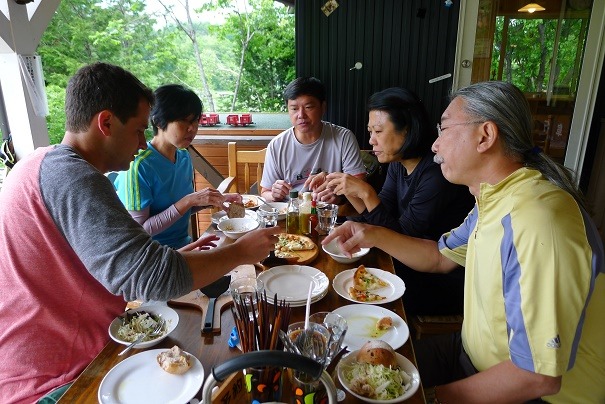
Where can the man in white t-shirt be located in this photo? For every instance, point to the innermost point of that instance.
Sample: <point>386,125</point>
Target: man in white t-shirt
<point>301,157</point>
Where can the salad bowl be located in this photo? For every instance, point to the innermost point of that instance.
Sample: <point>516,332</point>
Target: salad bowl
<point>122,328</point>
<point>344,373</point>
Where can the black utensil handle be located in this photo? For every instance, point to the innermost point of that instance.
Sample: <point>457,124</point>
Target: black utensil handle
<point>209,321</point>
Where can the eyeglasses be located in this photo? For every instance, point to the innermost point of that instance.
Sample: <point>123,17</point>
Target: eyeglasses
<point>440,129</point>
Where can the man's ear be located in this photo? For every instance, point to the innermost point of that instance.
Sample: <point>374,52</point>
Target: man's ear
<point>489,136</point>
<point>104,122</point>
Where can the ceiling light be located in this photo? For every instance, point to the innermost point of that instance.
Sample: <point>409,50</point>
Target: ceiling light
<point>531,7</point>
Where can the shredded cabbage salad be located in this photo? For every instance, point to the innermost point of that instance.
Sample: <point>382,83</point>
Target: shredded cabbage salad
<point>137,324</point>
<point>377,382</point>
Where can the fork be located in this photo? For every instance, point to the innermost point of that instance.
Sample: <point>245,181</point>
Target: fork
<point>157,331</point>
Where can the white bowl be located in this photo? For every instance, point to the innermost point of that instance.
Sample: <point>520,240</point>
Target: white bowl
<point>336,253</point>
<point>169,315</point>
<point>404,364</point>
<point>237,227</point>
<point>282,208</point>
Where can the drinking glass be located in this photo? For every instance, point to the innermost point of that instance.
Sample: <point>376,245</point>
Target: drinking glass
<point>245,292</point>
<point>315,346</point>
<point>267,216</point>
<point>305,390</point>
<point>326,215</point>
<point>336,325</point>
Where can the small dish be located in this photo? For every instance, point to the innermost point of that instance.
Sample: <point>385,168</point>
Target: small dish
<point>337,255</point>
<point>235,228</point>
<point>404,364</point>
<point>164,312</point>
<point>251,201</point>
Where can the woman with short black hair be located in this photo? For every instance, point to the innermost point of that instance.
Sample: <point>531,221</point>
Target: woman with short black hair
<point>158,189</point>
<point>415,199</point>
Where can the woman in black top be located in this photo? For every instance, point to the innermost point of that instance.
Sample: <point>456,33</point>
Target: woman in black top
<point>415,199</point>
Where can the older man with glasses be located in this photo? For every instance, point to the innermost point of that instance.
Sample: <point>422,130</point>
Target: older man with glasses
<point>534,284</point>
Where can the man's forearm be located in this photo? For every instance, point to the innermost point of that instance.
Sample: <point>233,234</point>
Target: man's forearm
<point>419,254</point>
<point>503,383</point>
<point>208,266</point>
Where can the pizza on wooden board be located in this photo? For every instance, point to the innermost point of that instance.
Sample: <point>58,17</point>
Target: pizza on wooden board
<point>287,244</point>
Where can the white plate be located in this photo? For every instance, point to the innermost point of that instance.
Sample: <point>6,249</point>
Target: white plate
<point>362,320</point>
<point>404,363</point>
<point>222,215</point>
<point>139,379</point>
<point>161,310</point>
<point>251,199</point>
<point>291,282</point>
<point>344,280</point>
<point>301,303</point>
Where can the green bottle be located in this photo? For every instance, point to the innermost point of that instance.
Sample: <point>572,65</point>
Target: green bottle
<point>292,214</point>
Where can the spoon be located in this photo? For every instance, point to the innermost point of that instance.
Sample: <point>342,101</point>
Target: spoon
<point>290,346</point>
<point>305,338</point>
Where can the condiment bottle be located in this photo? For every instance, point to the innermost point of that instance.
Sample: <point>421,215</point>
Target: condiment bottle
<point>292,226</point>
<point>305,211</point>
<point>313,221</point>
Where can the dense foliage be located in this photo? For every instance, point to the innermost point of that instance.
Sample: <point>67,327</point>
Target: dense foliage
<point>150,44</point>
<point>530,46</point>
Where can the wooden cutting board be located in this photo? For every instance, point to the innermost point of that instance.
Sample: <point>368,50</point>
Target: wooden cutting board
<point>198,300</point>
<point>305,256</point>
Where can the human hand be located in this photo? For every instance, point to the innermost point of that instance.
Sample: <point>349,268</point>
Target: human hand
<point>202,243</point>
<point>348,185</point>
<point>280,190</point>
<point>255,245</point>
<point>315,181</point>
<point>352,236</point>
<point>206,197</point>
<point>327,196</point>
<point>233,197</point>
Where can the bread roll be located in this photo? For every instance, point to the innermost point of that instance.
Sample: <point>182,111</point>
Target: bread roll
<point>174,361</point>
<point>236,210</point>
<point>378,352</point>
<point>384,323</point>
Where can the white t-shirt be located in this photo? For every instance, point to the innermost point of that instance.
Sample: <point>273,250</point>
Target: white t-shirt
<point>287,159</point>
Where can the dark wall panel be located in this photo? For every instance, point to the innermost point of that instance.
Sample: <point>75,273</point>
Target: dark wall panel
<point>397,43</point>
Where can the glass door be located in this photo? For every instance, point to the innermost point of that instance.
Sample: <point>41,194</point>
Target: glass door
<point>542,52</point>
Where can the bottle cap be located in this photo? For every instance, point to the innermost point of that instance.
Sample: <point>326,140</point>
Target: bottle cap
<point>293,194</point>
<point>307,196</point>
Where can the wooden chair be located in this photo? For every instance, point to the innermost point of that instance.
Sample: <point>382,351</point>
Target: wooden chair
<point>431,325</point>
<point>251,160</point>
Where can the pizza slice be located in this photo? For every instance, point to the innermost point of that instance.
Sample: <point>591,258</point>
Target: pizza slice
<point>293,242</point>
<point>284,254</point>
<point>364,295</point>
<point>364,280</point>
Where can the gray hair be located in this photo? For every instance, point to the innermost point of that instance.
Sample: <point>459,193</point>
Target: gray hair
<point>506,106</point>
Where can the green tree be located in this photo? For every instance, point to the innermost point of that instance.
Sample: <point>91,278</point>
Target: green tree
<point>113,31</point>
<point>531,45</point>
<point>267,55</point>
<point>125,33</point>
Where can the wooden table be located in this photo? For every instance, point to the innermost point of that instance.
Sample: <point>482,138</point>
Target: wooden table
<point>212,349</point>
